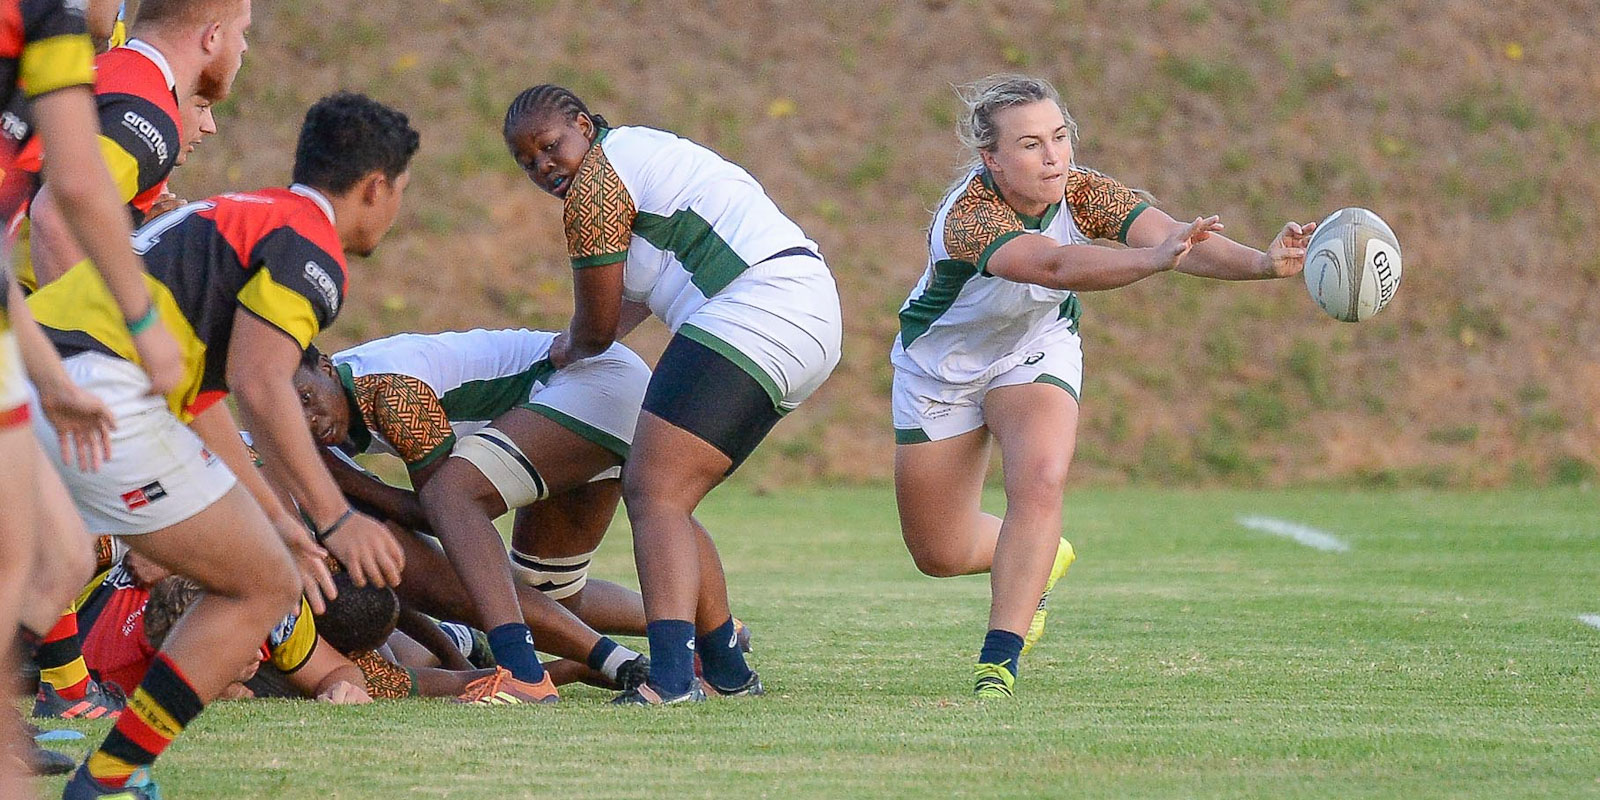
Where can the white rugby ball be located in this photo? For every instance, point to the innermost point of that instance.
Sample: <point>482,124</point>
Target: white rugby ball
<point>1352,264</point>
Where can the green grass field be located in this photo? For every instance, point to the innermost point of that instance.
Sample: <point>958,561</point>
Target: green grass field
<point>1187,657</point>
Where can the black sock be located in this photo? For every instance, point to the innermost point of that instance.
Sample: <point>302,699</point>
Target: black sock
<point>1001,647</point>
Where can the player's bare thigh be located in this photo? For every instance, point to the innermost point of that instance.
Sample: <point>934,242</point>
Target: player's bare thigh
<point>563,459</point>
<point>939,488</point>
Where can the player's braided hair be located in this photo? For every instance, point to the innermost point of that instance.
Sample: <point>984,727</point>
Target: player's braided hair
<point>347,136</point>
<point>543,99</point>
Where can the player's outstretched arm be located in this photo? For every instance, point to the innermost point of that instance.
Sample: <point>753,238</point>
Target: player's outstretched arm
<point>78,183</point>
<point>1224,259</point>
<point>1091,268</point>
<point>261,364</point>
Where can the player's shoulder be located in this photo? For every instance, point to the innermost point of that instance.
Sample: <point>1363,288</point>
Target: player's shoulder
<point>302,214</point>
<point>975,215</point>
<point>124,72</point>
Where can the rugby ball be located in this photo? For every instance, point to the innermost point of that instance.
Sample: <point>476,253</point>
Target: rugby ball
<point>1352,264</point>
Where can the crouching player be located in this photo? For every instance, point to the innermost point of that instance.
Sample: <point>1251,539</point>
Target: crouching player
<point>486,424</point>
<point>246,281</point>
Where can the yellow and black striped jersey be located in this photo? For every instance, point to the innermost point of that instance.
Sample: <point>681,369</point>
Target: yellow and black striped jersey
<point>273,253</point>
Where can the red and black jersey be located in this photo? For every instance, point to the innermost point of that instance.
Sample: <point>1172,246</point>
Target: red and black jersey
<point>44,46</point>
<point>111,624</point>
<point>274,253</point>
<point>140,137</point>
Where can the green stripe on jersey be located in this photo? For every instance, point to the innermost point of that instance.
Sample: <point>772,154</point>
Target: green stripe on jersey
<point>711,263</point>
<point>949,276</point>
<point>487,399</point>
<point>1071,310</point>
<point>1127,222</point>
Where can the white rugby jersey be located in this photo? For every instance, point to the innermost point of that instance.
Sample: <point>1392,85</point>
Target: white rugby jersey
<point>688,223</point>
<point>964,325</point>
<point>417,393</point>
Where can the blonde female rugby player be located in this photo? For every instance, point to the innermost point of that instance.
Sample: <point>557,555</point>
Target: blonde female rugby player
<point>988,346</point>
<point>660,224</point>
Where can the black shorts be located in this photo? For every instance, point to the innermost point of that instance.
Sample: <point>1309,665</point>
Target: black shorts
<point>701,391</point>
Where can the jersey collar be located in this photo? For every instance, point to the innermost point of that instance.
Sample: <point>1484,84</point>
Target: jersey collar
<point>149,51</point>
<point>360,435</point>
<point>316,197</point>
<point>1032,223</point>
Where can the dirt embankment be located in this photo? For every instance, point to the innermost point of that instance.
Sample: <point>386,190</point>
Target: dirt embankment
<point>1471,128</point>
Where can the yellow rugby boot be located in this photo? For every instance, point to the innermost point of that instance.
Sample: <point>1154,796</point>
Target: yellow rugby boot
<point>1064,558</point>
<point>992,680</point>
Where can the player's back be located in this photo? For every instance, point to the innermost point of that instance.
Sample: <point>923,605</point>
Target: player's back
<point>454,363</point>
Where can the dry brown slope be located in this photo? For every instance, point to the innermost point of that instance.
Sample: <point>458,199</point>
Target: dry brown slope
<point>1471,127</point>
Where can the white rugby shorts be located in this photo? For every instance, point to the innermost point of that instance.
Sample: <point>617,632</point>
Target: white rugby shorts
<point>597,398</point>
<point>13,383</point>
<point>159,474</point>
<point>778,323</point>
<point>927,409</point>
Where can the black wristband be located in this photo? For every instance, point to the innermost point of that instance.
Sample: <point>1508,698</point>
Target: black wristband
<point>322,536</point>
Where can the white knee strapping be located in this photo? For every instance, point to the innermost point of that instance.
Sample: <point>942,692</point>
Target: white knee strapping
<point>558,577</point>
<point>503,463</point>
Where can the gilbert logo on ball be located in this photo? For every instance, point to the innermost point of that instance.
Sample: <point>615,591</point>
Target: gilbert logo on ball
<point>1352,264</point>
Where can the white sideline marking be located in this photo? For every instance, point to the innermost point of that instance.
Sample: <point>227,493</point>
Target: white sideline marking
<point>1592,620</point>
<point>1304,534</point>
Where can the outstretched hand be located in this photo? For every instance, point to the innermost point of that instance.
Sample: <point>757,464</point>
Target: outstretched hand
<point>1286,256</point>
<point>1172,249</point>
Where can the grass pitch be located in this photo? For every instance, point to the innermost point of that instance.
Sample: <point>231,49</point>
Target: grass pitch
<point>1187,656</point>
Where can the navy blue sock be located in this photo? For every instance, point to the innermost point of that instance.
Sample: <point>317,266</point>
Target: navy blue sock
<point>671,655</point>
<point>720,657</point>
<point>1001,647</point>
<point>512,645</point>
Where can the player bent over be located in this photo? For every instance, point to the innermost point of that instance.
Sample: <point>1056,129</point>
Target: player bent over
<point>486,424</point>
<point>246,279</point>
<point>674,229</point>
<point>988,346</point>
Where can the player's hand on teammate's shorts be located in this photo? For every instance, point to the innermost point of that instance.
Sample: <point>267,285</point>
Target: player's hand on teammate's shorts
<point>310,561</point>
<point>83,424</point>
<point>368,551</point>
<point>344,693</point>
<point>1286,256</point>
<point>158,354</point>
<point>560,354</point>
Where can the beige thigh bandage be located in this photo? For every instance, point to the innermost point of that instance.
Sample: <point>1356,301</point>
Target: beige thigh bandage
<point>503,463</point>
<point>558,577</point>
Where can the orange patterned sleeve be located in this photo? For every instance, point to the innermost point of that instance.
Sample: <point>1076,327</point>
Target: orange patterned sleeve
<point>978,224</point>
<point>385,680</point>
<point>598,213</point>
<point>1102,207</point>
<point>406,412</point>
